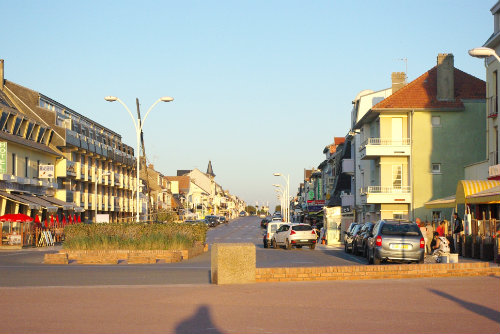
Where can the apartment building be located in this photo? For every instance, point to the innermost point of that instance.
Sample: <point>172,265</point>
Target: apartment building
<point>417,141</point>
<point>95,171</point>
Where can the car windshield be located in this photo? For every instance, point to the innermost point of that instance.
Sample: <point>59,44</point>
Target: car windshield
<point>302,228</point>
<point>400,229</point>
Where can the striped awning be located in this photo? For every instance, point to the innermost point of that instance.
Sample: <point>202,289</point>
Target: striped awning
<point>446,202</point>
<point>467,188</point>
<point>488,196</point>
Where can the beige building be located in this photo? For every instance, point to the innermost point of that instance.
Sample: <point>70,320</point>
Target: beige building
<point>95,171</point>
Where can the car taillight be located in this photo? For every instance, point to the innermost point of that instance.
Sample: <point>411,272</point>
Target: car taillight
<point>292,232</point>
<point>378,241</point>
<point>268,236</point>
<point>422,243</point>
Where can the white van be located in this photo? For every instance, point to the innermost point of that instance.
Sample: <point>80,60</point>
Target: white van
<point>272,226</point>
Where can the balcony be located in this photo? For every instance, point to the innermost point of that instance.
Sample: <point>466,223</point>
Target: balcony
<point>116,179</point>
<point>492,105</point>
<point>379,194</point>
<point>373,148</point>
<point>348,166</point>
<point>347,200</point>
<point>65,168</point>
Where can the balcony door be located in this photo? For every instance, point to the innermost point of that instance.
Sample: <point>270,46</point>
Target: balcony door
<point>397,178</point>
<point>397,130</point>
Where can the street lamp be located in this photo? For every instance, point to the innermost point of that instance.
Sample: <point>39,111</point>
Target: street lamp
<point>138,128</point>
<point>281,192</point>
<point>96,181</point>
<point>287,194</point>
<point>483,52</point>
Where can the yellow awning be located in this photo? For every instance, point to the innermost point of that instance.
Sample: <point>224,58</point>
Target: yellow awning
<point>488,196</point>
<point>467,188</point>
<point>446,202</point>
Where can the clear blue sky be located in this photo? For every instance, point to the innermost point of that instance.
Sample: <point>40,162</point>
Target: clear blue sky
<point>259,86</point>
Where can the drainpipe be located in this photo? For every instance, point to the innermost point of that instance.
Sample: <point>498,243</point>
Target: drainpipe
<point>411,165</point>
<point>1,74</point>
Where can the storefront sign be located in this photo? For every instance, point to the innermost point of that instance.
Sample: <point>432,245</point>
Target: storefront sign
<point>46,171</point>
<point>14,239</point>
<point>3,157</point>
<point>316,202</point>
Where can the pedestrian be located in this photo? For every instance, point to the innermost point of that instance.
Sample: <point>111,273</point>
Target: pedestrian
<point>418,222</point>
<point>440,229</point>
<point>423,229</point>
<point>429,235</point>
<point>458,228</point>
<point>435,243</point>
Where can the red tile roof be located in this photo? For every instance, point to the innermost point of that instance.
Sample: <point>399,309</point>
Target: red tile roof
<point>339,140</point>
<point>421,93</point>
<point>183,182</point>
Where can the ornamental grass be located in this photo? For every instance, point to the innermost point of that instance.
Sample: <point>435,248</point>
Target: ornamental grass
<point>134,236</point>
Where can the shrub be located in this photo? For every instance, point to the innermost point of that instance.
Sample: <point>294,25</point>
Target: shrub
<point>135,236</point>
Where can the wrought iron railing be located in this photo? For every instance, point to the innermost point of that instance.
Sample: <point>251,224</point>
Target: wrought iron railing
<point>385,142</point>
<point>385,190</point>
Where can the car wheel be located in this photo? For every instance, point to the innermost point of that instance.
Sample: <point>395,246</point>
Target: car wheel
<point>354,249</point>
<point>370,260</point>
<point>299,246</point>
<point>265,244</point>
<point>274,244</point>
<point>376,260</point>
<point>312,246</point>
<point>345,247</point>
<point>365,253</point>
<point>288,245</point>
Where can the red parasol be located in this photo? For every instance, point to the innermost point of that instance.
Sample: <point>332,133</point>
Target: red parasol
<point>79,219</point>
<point>74,219</point>
<point>70,220</point>
<point>37,222</point>
<point>64,220</point>
<point>51,220</point>
<point>16,217</point>
<point>46,223</point>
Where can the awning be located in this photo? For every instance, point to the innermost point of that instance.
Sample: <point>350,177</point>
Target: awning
<point>466,188</point>
<point>18,199</point>
<point>64,205</point>
<point>42,203</point>
<point>488,196</point>
<point>446,202</point>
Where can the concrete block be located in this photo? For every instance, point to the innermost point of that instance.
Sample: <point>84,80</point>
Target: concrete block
<point>233,263</point>
<point>57,258</point>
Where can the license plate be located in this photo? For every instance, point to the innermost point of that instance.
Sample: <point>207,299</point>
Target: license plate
<point>399,246</point>
<point>304,240</point>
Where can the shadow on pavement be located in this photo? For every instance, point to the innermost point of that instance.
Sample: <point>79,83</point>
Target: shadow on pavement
<point>200,322</point>
<point>476,308</point>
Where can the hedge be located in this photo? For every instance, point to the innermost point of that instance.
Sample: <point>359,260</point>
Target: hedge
<point>133,236</point>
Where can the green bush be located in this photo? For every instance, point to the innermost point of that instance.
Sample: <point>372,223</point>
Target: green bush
<point>135,236</point>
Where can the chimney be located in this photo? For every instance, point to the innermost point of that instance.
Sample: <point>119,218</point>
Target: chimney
<point>1,74</point>
<point>445,77</point>
<point>398,81</point>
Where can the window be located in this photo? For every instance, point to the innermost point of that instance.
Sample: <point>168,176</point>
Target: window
<point>397,176</point>
<point>397,215</point>
<point>436,169</point>
<point>26,167</point>
<point>436,121</point>
<point>436,216</point>
<point>14,164</point>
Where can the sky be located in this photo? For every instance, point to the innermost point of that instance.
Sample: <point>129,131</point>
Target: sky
<point>259,86</point>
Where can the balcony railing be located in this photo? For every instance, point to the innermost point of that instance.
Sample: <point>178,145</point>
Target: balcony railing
<point>493,158</point>
<point>492,103</point>
<point>385,190</point>
<point>385,142</point>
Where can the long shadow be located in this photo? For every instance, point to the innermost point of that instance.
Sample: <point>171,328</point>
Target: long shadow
<point>476,308</point>
<point>200,322</point>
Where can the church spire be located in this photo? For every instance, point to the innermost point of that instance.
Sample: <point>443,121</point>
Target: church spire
<point>210,171</point>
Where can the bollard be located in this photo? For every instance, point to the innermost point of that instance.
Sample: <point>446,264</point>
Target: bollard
<point>233,263</point>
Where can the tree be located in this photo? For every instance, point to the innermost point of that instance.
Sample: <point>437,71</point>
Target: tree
<point>250,209</point>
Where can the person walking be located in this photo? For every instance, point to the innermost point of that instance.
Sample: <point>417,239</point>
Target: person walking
<point>458,227</point>
<point>429,235</point>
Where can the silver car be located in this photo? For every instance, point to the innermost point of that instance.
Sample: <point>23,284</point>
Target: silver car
<point>395,240</point>
<point>298,235</point>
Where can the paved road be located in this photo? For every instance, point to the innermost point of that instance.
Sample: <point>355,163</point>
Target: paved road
<point>25,268</point>
<point>446,305</point>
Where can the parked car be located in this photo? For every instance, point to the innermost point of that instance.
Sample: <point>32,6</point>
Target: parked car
<point>350,237</point>
<point>348,233</point>
<point>396,240</point>
<point>298,235</point>
<point>222,219</point>
<point>271,228</point>
<point>264,222</point>
<point>212,221</point>
<point>243,214</point>
<point>359,241</point>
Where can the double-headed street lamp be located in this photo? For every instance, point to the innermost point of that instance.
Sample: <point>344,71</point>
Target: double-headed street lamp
<point>138,124</point>
<point>287,194</point>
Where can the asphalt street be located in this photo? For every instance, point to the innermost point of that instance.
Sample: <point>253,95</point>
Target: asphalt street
<point>26,268</point>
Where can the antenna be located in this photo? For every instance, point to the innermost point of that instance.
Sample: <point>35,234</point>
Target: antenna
<point>406,66</point>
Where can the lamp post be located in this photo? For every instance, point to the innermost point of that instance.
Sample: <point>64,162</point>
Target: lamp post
<point>281,194</point>
<point>483,52</point>
<point>138,128</point>
<point>96,182</point>
<point>287,194</point>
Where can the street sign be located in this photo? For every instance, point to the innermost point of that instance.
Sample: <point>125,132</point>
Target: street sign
<point>3,157</point>
<point>46,171</point>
